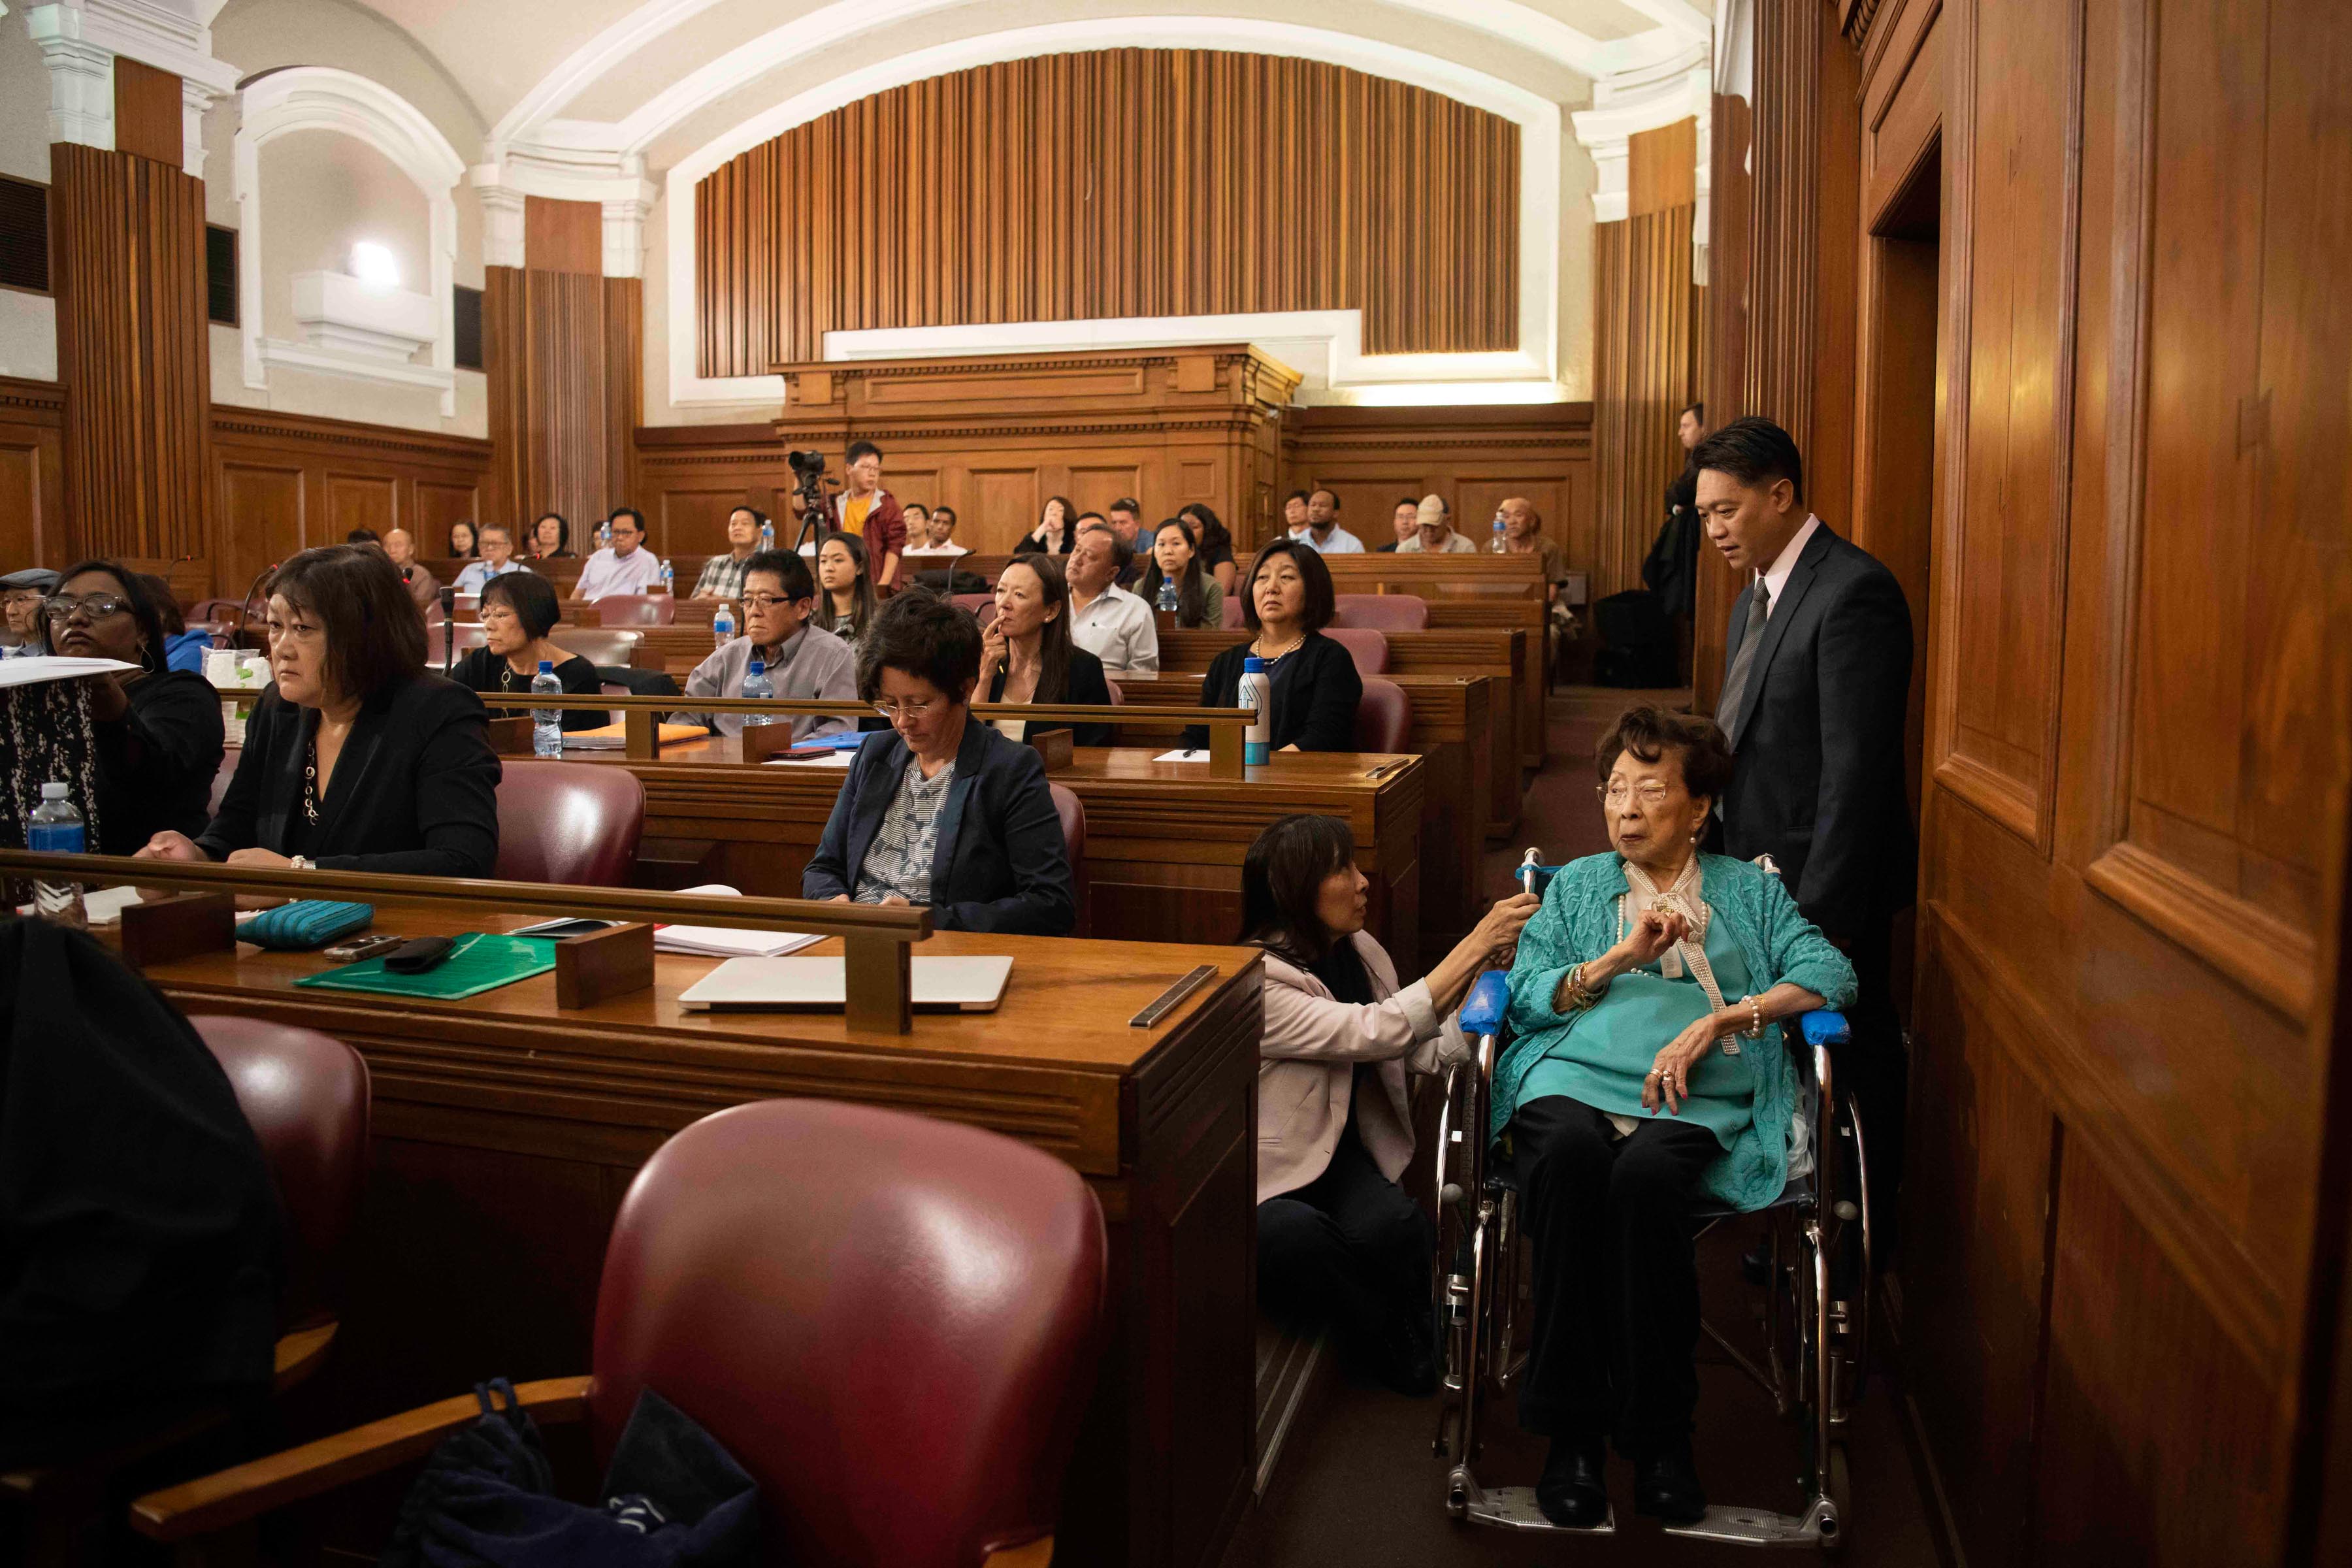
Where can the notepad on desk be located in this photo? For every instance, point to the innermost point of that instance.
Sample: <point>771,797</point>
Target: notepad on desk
<point>959,985</point>
<point>727,942</point>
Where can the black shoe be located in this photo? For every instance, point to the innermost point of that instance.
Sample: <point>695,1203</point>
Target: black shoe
<point>1573,1491</point>
<point>1665,1487</point>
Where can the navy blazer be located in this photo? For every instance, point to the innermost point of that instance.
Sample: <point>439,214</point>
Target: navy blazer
<point>1818,780</point>
<point>1001,864</point>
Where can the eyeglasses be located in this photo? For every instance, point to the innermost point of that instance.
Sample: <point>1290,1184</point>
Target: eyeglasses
<point>1650,794</point>
<point>913,711</point>
<point>93,607</point>
<point>767,601</point>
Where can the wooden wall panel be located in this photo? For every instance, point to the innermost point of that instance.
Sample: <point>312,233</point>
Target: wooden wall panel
<point>564,355</point>
<point>1116,182</point>
<point>32,473</point>
<point>147,119</point>
<point>1662,169</point>
<point>1644,373</point>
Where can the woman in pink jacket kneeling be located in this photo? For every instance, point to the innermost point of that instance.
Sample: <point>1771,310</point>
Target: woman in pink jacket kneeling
<point>1338,1242</point>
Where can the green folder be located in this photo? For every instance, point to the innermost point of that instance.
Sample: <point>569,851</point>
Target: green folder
<point>481,962</point>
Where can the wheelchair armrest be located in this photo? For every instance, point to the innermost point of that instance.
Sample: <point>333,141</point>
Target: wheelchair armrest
<point>1489,999</point>
<point>1823,1027</point>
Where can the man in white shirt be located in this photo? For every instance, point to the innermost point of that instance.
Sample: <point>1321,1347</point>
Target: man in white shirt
<point>1107,620</point>
<point>497,545</point>
<point>938,535</point>
<point>1434,532</point>
<point>622,568</point>
<point>1323,534</point>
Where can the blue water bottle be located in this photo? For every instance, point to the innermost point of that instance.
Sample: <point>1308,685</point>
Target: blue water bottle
<point>1256,693</point>
<point>668,580</point>
<point>722,624</point>
<point>1167,593</point>
<point>767,533</point>
<point>758,688</point>
<point>546,723</point>
<point>1502,545</point>
<point>56,828</point>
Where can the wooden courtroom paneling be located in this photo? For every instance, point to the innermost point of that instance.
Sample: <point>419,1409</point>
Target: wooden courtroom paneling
<point>147,116</point>
<point>1111,183</point>
<point>1644,373</point>
<point>32,474</point>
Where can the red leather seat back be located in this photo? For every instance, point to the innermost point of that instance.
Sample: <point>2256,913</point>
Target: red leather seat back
<point>1073,812</point>
<point>1368,649</point>
<point>1382,611</point>
<point>891,1322</point>
<point>1230,617</point>
<point>637,610</point>
<point>1383,717</point>
<point>982,605</point>
<point>572,823</point>
<point>227,770</point>
<point>306,1097</point>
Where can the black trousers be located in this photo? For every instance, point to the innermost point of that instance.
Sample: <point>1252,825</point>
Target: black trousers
<point>1348,1252</point>
<point>1616,1275</point>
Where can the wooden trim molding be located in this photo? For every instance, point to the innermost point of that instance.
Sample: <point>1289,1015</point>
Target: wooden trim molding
<point>37,397</point>
<point>2271,958</point>
<point>268,425</point>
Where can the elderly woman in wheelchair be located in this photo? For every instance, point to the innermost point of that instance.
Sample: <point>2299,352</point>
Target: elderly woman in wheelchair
<point>1646,1075</point>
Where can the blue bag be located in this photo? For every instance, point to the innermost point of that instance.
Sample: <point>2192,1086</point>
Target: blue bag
<point>305,923</point>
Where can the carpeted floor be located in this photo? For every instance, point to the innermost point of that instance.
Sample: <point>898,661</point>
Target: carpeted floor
<point>1358,1484</point>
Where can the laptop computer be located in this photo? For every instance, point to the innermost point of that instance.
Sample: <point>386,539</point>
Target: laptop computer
<point>963,984</point>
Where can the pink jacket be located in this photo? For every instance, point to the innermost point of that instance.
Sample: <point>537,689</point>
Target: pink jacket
<point>1307,1068</point>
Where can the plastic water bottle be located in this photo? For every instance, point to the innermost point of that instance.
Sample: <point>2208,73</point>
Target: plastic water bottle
<point>758,688</point>
<point>767,533</point>
<point>668,580</point>
<point>1256,693</point>
<point>605,534</point>
<point>56,828</point>
<point>1502,545</point>
<point>546,723</point>
<point>722,624</point>
<point>1167,593</point>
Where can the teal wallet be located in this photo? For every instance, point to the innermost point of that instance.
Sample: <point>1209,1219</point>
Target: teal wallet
<point>305,923</point>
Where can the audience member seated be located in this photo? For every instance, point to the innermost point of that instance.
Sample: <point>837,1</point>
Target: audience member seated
<point>845,608</point>
<point>1523,535</point>
<point>722,575</point>
<point>356,760</point>
<point>1107,620</point>
<point>158,730</point>
<point>1026,655</point>
<point>1652,980</point>
<point>805,663</point>
<point>463,543</point>
<point>623,567</point>
<point>937,535</point>
<point>1293,513</point>
<point>21,594</point>
<point>936,809</point>
<point>1057,530</point>
<point>423,586</point>
<point>1217,544</point>
<point>550,537</point>
<point>1176,554</point>
<point>1406,519</point>
<point>1125,516</point>
<point>362,536</point>
<point>1315,686</point>
<point>518,612</point>
<point>183,650</point>
<point>1434,532</point>
<point>497,559</point>
<point>1339,1243</point>
<point>1323,531</point>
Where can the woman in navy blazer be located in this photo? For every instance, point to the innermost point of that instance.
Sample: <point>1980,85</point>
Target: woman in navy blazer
<point>939,809</point>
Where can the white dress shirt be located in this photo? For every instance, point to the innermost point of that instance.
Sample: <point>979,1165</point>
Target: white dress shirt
<point>1341,542</point>
<point>606,573</point>
<point>1776,576</point>
<point>1117,629</point>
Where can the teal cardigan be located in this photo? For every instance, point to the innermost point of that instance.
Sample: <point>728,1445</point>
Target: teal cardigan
<point>1579,921</point>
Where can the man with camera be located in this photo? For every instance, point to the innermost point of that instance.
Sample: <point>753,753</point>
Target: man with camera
<point>863,508</point>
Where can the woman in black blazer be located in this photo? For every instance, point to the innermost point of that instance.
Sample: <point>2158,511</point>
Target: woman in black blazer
<point>1026,654</point>
<point>938,809</point>
<point>356,760</point>
<point>1316,688</point>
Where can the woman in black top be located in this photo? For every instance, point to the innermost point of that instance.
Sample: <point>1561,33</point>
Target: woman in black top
<point>1057,530</point>
<point>159,730</point>
<point>462,545</point>
<point>1315,684</point>
<point>518,612</point>
<point>1026,654</point>
<point>1216,545</point>
<point>357,760</point>
<point>550,537</point>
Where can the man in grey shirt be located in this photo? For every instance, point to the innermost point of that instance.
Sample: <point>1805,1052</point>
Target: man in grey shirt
<point>778,593</point>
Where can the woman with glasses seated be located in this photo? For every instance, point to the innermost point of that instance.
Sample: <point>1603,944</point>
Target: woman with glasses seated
<point>158,730</point>
<point>1647,1070</point>
<point>357,759</point>
<point>518,612</point>
<point>939,809</point>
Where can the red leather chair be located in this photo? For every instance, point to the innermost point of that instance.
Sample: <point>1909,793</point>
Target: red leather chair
<point>1073,812</point>
<point>637,610</point>
<point>1383,717</point>
<point>1231,614</point>
<point>891,1322</point>
<point>1382,611</point>
<point>570,823</point>
<point>1368,649</point>
<point>982,605</point>
<point>226,771</point>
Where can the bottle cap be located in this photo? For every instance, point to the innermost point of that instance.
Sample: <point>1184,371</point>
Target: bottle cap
<point>52,790</point>
<point>1253,664</point>
<point>547,667</point>
<point>758,667</point>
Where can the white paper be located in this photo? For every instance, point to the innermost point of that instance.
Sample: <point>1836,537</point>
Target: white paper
<point>102,905</point>
<point>727,942</point>
<point>830,760</point>
<point>1181,756</point>
<point>34,668</point>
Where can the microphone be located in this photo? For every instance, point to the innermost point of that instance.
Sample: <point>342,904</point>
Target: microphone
<point>245,610</point>
<point>448,628</point>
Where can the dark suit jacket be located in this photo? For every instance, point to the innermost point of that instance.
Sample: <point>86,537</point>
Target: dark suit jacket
<point>157,762</point>
<point>415,792</point>
<point>1087,685</point>
<point>1818,780</point>
<point>1001,864</point>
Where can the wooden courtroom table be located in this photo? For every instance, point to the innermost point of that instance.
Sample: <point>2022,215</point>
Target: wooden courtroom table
<point>1164,841</point>
<point>506,1131</point>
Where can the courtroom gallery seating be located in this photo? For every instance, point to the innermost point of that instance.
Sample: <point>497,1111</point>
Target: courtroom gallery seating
<point>637,610</point>
<point>1383,717</point>
<point>1073,812</point>
<point>1368,649</point>
<point>1381,612</point>
<point>570,823</point>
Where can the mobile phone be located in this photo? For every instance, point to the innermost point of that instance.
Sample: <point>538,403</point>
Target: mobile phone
<point>364,947</point>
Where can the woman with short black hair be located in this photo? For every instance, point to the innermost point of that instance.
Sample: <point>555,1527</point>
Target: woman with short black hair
<point>1316,688</point>
<point>1027,654</point>
<point>550,543</point>
<point>939,810</point>
<point>465,542</point>
<point>518,612</point>
<point>357,759</point>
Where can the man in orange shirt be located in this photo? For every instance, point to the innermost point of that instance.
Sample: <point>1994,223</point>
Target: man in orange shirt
<point>867,509</point>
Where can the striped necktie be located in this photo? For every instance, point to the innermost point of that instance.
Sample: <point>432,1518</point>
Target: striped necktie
<point>1735,684</point>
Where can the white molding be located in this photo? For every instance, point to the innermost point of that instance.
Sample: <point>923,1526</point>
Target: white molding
<point>616,183</point>
<point>318,98</point>
<point>1538,119</point>
<point>437,378</point>
<point>80,41</point>
<point>1678,87</point>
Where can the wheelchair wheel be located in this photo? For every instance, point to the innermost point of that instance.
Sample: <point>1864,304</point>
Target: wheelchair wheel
<point>1838,1487</point>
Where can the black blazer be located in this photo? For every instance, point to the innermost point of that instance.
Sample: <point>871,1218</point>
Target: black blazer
<point>1818,742</point>
<point>1087,685</point>
<point>1316,693</point>
<point>415,792</point>
<point>1002,863</point>
<point>156,764</point>
<point>484,671</point>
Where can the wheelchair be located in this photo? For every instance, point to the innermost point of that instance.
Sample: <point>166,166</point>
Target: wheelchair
<point>1813,1357</point>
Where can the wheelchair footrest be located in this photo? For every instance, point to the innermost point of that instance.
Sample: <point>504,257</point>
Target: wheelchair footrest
<point>1762,1526</point>
<point>1513,1507</point>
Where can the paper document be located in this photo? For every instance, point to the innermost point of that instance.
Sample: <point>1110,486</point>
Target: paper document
<point>727,942</point>
<point>822,760</point>
<point>967,985</point>
<point>1182,756</point>
<point>33,669</point>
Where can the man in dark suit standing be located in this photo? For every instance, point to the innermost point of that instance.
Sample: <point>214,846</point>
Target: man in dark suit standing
<point>1817,679</point>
